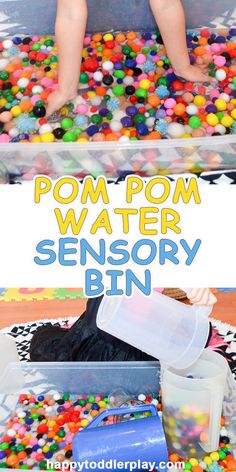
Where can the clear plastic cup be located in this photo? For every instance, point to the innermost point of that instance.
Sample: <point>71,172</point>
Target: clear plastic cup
<point>134,441</point>
<point>168,330</point>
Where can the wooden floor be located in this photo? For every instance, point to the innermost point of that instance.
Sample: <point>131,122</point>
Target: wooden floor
<point>21,312</point>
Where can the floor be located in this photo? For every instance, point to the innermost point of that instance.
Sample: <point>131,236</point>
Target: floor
<point>24,311</point>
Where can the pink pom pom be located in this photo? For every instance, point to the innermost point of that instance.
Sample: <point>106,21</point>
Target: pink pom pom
<point>4,138</point>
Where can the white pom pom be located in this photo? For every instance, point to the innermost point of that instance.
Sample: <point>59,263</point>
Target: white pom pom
<point>108,66</point>
<point>7,43</point>
<point>176,130</point>
<point>221,74</point>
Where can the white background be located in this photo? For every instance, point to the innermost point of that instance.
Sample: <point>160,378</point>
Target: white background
<point>24,224</point>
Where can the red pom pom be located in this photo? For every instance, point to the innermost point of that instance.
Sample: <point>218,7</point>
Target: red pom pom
<point>90,64</point>
<point>177,85</point>
<point>42,429</point>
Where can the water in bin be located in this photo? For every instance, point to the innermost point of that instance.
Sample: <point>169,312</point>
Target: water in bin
<point>168,330</point>
<point>128,441</point>
<point>192,401</point>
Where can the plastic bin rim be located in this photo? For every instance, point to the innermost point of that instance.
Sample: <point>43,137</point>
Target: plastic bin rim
<point>47,366</point>
<point>117,145</point>
<point>84,365</point>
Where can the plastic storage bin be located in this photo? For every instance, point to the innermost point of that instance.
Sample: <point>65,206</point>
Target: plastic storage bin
<point>146,158</point>
<point>82,378</point>
<point>192,404</point>
<point>162,327</point>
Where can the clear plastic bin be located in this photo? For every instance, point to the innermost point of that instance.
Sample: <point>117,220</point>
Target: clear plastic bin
<point>75,377</point>
<point>82,378</point>
<point>146,158</point>
<point>113,160</point>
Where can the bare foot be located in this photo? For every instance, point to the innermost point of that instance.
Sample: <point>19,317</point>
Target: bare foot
<point>194,74</point>
<point>57,100</point>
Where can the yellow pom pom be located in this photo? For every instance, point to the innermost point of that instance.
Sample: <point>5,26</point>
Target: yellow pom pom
<point>50,74</point>
<point>3,102</point>
<point>51,423</point>
<point>15,89</point>
<point>193,461</point>
<point>207,460</point>
<point>145,84</point>
<point>108,37</point>
<point>220,104</point>
<point>212,119</point>
<point>45,449</point>
<point>16,111</point>
<point>35,139</point>
<point>85,53</point>
<point>233,114</point>
<point>47,138</point>
<point>91,94</point>
<point>227,121</point>
<point>84,423</point>
<point>82,140</point>
<point>215,456</point>
<point>102,404</point>
<point>199,100</point>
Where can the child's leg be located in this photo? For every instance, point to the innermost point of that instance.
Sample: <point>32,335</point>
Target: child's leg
<point>169,15</point>
<point>70,30</point>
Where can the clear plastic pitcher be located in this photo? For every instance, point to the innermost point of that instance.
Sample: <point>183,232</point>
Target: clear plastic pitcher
<point>193,404</point>
<point>8,352</point>
<point>168,330</point>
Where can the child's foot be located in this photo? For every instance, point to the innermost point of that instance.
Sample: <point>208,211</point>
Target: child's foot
<point>57,100</point>
<point>194,74</point>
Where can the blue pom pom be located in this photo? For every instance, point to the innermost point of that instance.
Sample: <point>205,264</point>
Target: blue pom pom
<point>148,66</point>
<point>113,104</point>
<point>162,91</point>
<point>81,121</point>
<point>25,124</point>
<point>161,126</point>
<point>233,129</point>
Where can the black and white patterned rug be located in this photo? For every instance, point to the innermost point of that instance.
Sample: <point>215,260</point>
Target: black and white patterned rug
<point>23,333</point>
<point>216,177</point>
